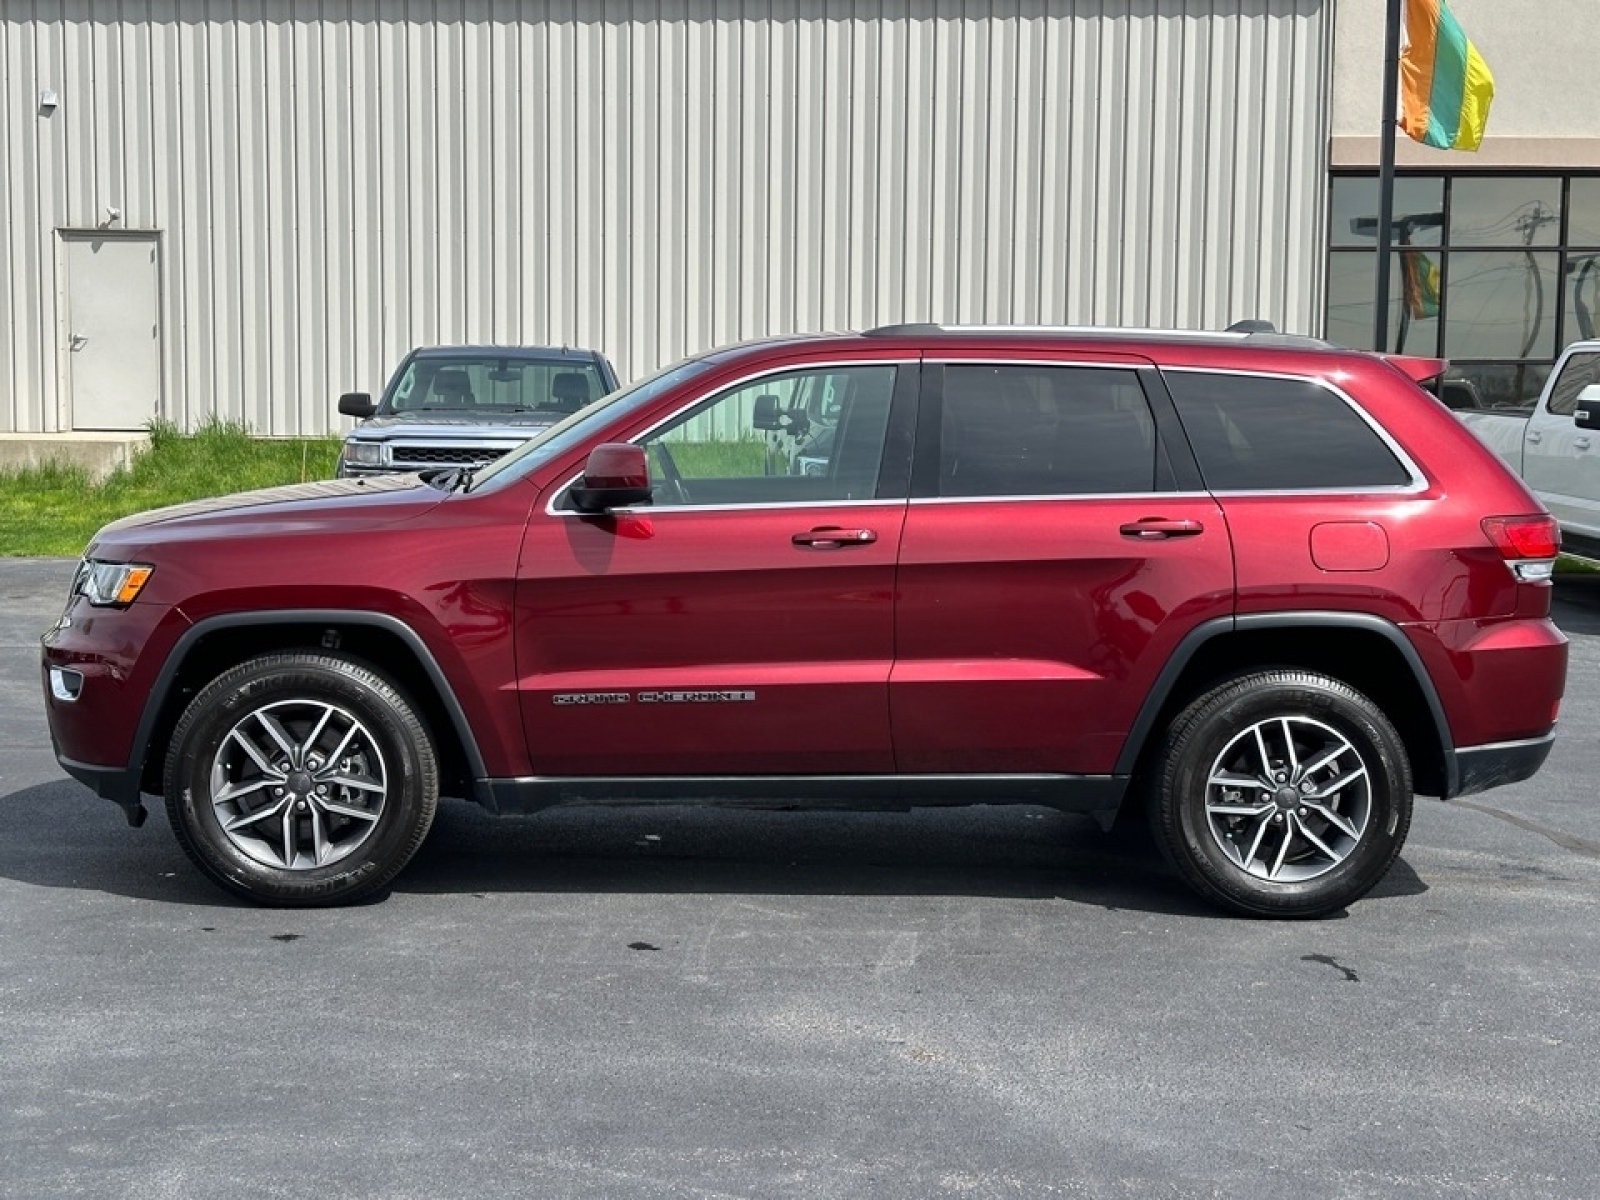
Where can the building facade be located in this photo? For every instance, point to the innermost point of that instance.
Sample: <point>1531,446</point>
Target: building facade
<point>240,210</point>
<point>1497,262</point>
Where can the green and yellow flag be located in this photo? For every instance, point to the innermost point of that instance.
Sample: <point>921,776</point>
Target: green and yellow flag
<point>1446,86</point>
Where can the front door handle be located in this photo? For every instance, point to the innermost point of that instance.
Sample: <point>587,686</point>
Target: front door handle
<point>1581,443</point>
<point>831,537</point>
<point>1535,436</point>
<point>1151,529</point>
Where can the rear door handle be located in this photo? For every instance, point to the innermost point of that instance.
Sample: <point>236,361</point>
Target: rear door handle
<point>1150,529</point>
<point>1581,443</point>
<point>831,537</point>
<point>1535,436</point>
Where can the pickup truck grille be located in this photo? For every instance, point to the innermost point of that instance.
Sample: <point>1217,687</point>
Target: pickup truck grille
<point>443,456</point>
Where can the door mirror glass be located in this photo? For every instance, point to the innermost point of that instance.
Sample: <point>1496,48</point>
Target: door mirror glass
<point>356,404</point>
<point>615,476</point>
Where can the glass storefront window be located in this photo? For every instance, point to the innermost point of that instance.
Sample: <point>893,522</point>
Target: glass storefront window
<point>1511,210</point>
<point>1350,297</point>
<point>1418,210</point>
<point>1583,213</point>
<point>1495,272</point>
<point>1501,304</point>
<point>1581,296</point>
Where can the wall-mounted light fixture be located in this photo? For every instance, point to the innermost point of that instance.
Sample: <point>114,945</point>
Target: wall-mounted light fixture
<point>48,100</point>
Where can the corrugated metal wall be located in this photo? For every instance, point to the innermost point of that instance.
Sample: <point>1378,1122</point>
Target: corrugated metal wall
<point>337,181</point>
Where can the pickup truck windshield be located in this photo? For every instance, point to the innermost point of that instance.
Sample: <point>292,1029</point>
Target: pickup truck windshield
<point>572,431</point>
<point>494,384</point>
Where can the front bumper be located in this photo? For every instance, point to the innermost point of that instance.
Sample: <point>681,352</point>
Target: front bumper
<point>115,656</point>
<point>120,785</point>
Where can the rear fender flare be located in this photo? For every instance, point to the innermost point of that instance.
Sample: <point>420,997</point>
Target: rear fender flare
<point>1145,723</point>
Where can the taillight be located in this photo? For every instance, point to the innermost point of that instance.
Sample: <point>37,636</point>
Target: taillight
<point>1528,544</point>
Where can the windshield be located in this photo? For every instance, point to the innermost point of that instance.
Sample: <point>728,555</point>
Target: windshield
<point>562,436</point>
<point>491,383</point>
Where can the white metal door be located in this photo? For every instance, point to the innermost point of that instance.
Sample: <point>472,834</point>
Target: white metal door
<point>113,330</point>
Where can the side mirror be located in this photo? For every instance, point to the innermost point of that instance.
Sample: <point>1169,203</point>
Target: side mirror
<point>356,404</point>
<point>766,415</point>
<point>615,476</point>
<point>1587,413</point>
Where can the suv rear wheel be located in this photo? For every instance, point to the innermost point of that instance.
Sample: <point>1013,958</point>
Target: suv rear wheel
<point>1281,794</point>
<point>301,779</point>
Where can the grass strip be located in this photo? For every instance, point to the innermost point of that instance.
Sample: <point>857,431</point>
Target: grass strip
<point>54,509</point>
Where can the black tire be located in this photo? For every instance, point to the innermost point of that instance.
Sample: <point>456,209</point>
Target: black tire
<point>1261,829</point>
<point>328,831</point>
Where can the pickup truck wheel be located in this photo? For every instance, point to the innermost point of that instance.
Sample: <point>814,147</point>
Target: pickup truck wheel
<point>301,779</point>
<point>1281,794</point>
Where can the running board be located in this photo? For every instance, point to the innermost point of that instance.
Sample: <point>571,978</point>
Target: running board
<point>1098,795</point>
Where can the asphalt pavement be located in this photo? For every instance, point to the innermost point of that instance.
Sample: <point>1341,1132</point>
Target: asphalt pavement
<point>988,1002</point>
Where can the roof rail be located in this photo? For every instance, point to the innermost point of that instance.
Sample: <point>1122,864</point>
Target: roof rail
<point>1252,330</point>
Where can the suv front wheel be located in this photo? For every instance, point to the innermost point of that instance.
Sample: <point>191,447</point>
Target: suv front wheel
<point>301,779</point>
<point>1281,794</point>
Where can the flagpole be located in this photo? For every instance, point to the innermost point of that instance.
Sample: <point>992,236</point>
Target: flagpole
<point>1391,102</point>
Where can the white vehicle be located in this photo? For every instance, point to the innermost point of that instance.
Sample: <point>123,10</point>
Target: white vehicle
<point>1556,446</point>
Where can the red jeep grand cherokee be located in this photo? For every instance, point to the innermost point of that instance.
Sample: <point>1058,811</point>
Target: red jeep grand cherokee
<point>1264,586</point>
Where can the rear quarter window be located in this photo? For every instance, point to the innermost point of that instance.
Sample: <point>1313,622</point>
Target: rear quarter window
<point>1255,433</point>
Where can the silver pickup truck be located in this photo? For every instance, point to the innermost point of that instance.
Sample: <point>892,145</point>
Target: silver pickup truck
<point>1555,445</point>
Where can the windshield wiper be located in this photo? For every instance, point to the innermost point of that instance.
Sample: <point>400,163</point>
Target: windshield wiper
<point>452,479</point>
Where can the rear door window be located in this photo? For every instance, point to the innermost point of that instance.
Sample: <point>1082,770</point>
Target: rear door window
<point>1041,430</point>
<point>1255,433</point>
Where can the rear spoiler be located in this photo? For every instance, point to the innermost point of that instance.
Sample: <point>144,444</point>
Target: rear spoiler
<point>1418,370</point>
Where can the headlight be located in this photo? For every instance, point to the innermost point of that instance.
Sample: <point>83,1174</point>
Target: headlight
<point>363,454</point>
<point>104,583</point>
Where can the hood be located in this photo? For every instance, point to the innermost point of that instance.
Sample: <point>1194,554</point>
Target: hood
<point>457,423</point>
<point>368,501</point>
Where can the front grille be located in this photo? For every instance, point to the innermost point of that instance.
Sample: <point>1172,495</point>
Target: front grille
<point>443,456</point>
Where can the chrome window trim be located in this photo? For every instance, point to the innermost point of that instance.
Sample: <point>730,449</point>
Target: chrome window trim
<point>1419,481</point>
<point>1152,497</point>
<point>654,509</point>
<point>560,493</point>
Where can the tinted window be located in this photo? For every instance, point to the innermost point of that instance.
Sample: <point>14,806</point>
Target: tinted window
<point>1581,370</point>
<point>1253,433</point>
<point>1044,431</point>
<point>803,437</point>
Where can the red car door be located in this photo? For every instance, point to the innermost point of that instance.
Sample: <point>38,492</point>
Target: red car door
<point>742,623</point>
<point>1050,564</point>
